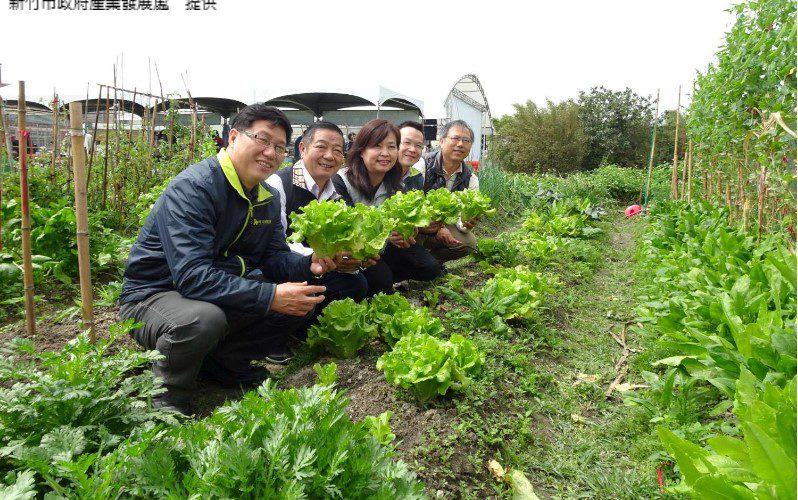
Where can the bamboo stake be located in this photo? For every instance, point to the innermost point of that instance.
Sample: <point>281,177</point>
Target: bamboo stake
<point>94,134</point>
<point>718,187</point>
<point>746,209</point>
<point>728,196</point>
<point>81,213</point>
<point>651,155</point>
<point>675,176</point>
<point>27,262</point>
<point>690,172</point>
<point>107,141</point>
<point>9,147</point>
<point>130,130</point>
<point>738,202</point>
<point>683,186</point>
<point>55,139</point>
<point>117,133</point>
<point>761,194</point>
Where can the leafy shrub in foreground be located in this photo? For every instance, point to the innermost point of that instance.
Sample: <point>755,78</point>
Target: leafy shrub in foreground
<point>58,405</point>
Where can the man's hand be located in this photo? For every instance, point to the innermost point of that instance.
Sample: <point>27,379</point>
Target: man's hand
<point>321,266</point>
<point>433,228</point>
<point>397,240</point>
<point>345,263</point>
<point>469,224</point>
<point>445,237</point>
<point>296,299</point>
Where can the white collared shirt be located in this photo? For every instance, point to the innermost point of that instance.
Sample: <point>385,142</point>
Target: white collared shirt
<point>325,194</point>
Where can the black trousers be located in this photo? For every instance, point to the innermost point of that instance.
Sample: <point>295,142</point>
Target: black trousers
<point>185,331</point>
<point>399,264</point>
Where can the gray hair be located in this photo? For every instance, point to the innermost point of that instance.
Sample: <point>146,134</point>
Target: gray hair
<point>456,123</point>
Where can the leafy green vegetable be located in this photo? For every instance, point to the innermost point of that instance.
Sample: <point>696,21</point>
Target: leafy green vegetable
<point>326,226</point>
<point>368,233</point>
<point>380,428</point>
<point>527,287</point>
<point>296,443</point>
<point>494,251</point>
<point>384,306</point>
<point>474,204</point>
<point>444,206</point>
<point>762,464</point>
<point>332,226</point>
<point>410,322</point>
<point>428,366</point>
<point>343,328</point>
<point>408,211</point>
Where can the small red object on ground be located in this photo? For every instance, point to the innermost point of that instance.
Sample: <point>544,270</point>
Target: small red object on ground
<point>475,165</point>
<point>632,210</point>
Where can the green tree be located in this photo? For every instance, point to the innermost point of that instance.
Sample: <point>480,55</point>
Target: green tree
<point>666,128</point>
<point>534,140</point>
<point>618,127</point>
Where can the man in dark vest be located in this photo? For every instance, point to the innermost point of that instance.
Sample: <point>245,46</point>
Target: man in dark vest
<point>321,150</point>
<point>447,168</point>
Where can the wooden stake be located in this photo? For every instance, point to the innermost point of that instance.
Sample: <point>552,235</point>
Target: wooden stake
<point>675,176</point>
<point>82,216</point>
<point>761,194</point>
<point>9,147</point>
<point>651,155</point>
<point>746,209</point>
<point>107,143</point>
<point>27,261</point>
<point>55,139</point>
<point>94,134</point>
<point>130,130</point>
<point>690,172</point>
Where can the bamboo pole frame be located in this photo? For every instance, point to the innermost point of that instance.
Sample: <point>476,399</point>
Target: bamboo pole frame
<point>675,175</point>
<point>9,147</point>
<point>651,155</point>
<point>55,140</point>
<point>107,144</point>
<point>690,172</point>
<point>27,261</point>
<point>94,133</point>
<point>82,217</point>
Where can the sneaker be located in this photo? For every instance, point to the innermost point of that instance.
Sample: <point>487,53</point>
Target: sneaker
<point>279,356</point>
<point>164,403</point>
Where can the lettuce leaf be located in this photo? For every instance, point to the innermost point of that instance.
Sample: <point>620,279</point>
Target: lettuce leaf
<point>428,366</point>
<point>408,211</point>
<point>474,204</point>
<point>443,205</point>
<point>343,328</point>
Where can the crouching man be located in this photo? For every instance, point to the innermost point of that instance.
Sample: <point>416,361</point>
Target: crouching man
<point>211,276</point>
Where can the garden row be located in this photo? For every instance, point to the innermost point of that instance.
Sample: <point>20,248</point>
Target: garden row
<point>77,423</point>
<point>722,310</point>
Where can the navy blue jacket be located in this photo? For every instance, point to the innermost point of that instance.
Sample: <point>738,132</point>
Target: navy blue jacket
<point>205,236</point>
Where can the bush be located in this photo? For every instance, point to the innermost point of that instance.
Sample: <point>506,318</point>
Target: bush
<point>537,140</point>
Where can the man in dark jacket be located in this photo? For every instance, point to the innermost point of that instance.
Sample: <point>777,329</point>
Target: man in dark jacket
<point>447,168</point>
<point>210,275</point>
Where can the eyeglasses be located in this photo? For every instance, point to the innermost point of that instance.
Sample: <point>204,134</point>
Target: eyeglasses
<point>457,138</point>
<point>415,145</point>
<point>266,143</point>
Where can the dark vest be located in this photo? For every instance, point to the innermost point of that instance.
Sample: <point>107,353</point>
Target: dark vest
<point>434,178</point>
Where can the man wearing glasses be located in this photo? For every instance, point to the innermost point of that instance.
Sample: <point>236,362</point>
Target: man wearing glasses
<point>447,168</point>
<point>211,276</point>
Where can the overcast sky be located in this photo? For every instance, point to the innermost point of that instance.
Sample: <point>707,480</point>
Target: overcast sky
<point>249,49</point>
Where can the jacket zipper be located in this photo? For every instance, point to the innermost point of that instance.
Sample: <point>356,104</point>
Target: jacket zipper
<point>244,226</point>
